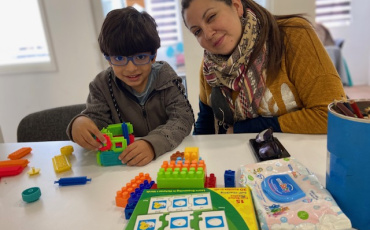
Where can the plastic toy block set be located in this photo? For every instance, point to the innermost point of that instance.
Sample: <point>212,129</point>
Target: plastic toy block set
<point>286,195</point>
<point>181,175</point>
<point>140,182</point>
<point>129,195</point>
<point>187,171</point>
<point>61,162</point>
<point>118,137</point>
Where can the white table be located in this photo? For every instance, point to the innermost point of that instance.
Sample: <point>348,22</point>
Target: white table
<point>92,206</point>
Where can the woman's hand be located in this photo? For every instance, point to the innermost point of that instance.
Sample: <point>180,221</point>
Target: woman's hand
<point>83,132</point>
<point>139,153</point>
<point>230,130</point>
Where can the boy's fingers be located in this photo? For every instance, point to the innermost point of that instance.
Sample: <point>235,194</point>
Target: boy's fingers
<point>91,143</point>
<point>98,135</point>
<point>127,154</point>
<point>85,144</point>
<point>144,161</point>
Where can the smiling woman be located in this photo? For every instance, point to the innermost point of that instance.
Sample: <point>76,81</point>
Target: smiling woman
<point>25,45</point>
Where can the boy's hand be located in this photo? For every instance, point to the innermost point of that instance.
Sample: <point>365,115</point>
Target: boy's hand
<point>83,129</point>
<point>138,153</point>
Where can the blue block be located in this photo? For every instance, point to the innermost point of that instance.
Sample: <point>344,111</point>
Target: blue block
<point>135,196</point>
<point>129,210</point>
<point>125,132</point>
<point>229,178</point>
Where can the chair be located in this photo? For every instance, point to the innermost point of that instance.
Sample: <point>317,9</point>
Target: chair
<point>334,49</point>
<point>47,125</point>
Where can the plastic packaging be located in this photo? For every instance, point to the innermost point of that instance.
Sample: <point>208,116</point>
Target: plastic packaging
<point>288,196</point>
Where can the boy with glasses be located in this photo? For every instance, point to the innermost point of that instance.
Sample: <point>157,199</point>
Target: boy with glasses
<point>136,89</point>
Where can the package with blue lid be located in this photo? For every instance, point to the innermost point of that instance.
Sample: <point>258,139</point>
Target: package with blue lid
<point>281,188</point>
<point>287,195</point>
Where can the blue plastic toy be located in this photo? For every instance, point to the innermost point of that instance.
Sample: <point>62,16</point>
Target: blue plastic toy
<point>66,181</point>
<point>229,178</point>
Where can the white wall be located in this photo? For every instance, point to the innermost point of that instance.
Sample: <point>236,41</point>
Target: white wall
<point>193,53</point>
<point>78,60</point>
<point>356,48</point>
<point>279,7</point>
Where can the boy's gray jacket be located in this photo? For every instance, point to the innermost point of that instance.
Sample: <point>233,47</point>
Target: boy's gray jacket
<point>164,120</point>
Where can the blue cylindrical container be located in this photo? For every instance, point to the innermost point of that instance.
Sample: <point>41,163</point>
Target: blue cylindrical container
<point>348,164</point>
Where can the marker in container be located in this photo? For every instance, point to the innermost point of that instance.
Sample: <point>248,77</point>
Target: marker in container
<point>344,109</point>
<point>66,181</point>
<point>355,108</point>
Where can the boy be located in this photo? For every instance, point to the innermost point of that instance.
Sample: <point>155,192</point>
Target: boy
<point>135,88</point>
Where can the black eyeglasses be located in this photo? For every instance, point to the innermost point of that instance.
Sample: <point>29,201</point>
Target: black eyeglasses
<point>267,147</point>
<point>138,59</point>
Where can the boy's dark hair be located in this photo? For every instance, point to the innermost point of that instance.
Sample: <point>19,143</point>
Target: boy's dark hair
<point>127,31</point>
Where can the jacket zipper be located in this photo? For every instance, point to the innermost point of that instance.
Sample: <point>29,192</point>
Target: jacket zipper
<point>143,110</point>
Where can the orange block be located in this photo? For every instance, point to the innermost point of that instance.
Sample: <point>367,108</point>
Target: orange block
<point>19,153</point>
<point>21,162</point>
<point>191,153</point>
<point>123,195</point>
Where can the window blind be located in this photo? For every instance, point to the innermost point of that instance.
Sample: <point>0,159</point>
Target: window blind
<point>165,13</point>
<point>333,13</point>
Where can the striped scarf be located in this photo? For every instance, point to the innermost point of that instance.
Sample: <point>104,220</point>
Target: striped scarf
<point>231,74</point>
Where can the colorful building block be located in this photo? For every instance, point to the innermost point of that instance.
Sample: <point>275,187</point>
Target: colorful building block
<point>67,150</point>
<point>61,163</point>
<point>176,155</point>
<point>129,210</point>
<point>10,170</point>
<point>181,175</point>
<point>20,153</point>
<point>229,178</point>
<point>20,162</point>
<point>141,181</point>
<point>191,153</point>
<point>135,197</point>
<point>210,181</point>
<point>117,136</point>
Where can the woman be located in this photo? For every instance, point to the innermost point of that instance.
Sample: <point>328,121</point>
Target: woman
<point>259,70</point>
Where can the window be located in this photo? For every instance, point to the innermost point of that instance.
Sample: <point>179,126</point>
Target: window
<point>24,45</point>
<point>333,13</point>
<point>261,2</point>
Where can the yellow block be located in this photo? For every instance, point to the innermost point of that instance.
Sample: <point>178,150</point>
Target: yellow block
<point>66,150</point>
<point>61,163</point>
<point>191,153</point>
<point>33,171</point>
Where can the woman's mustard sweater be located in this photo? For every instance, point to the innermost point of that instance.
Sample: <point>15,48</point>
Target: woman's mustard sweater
<point>306,83</point>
